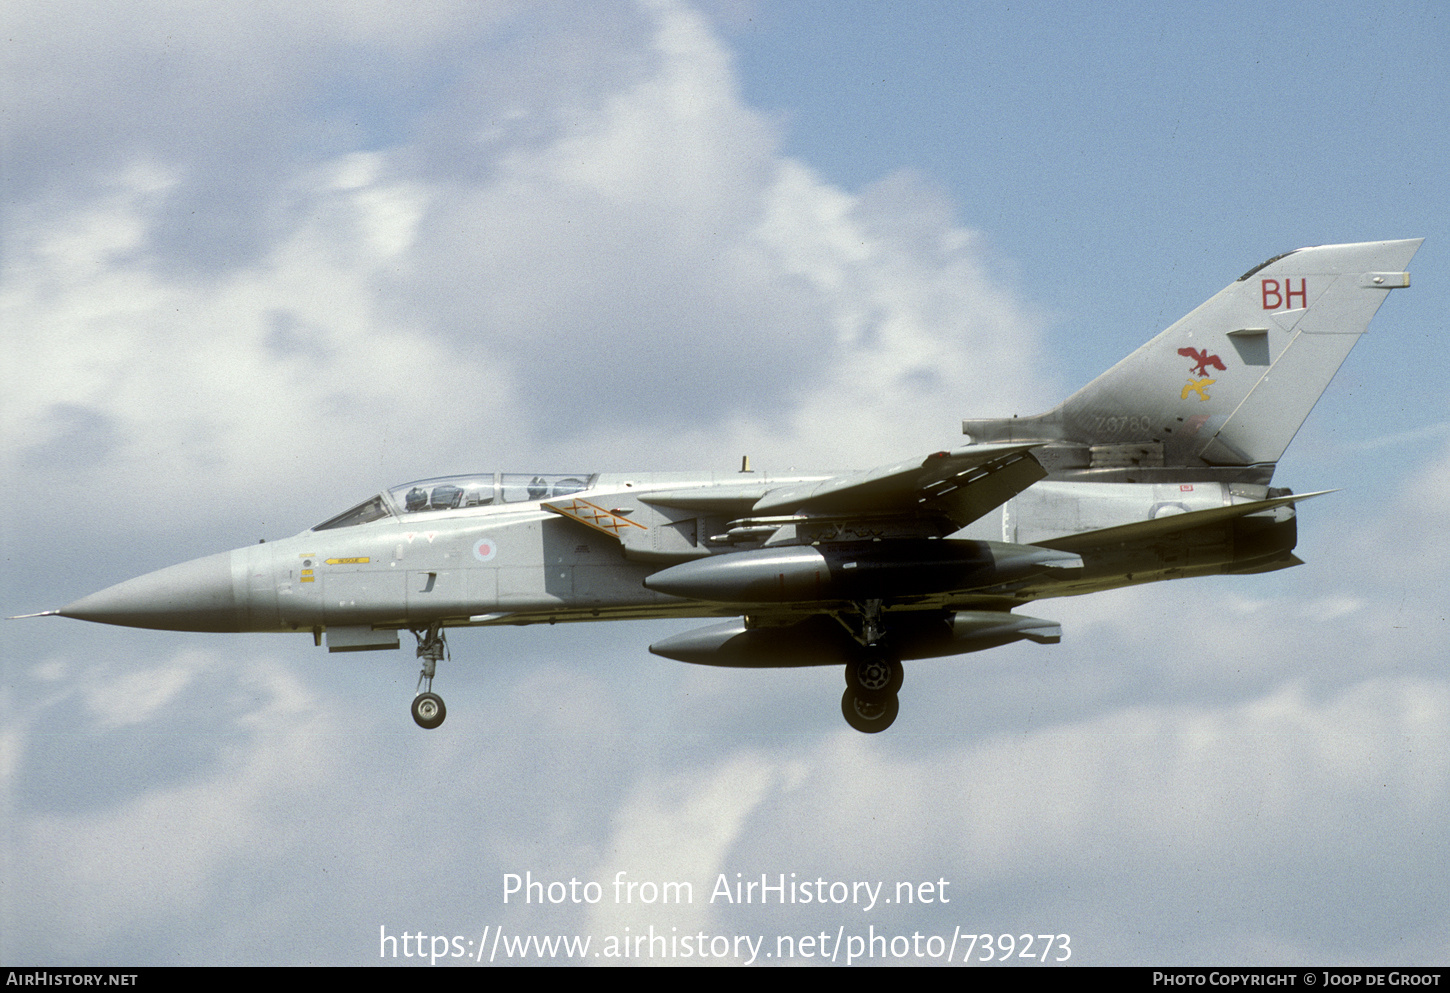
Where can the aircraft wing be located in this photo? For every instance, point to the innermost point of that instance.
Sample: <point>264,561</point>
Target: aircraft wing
<point>960,485</point>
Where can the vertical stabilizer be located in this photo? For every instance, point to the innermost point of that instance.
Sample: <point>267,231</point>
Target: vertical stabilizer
<point>1228,385</point>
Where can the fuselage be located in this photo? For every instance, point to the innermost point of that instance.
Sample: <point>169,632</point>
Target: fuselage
<point>406,558</point>
<point>490,549</point>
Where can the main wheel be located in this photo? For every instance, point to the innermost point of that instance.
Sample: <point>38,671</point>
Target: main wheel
<point>869,716</point>
<point>875,676</point>
<point>428,710</point>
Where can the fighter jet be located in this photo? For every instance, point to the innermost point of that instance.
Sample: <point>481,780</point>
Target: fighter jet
<point>1158,469</point>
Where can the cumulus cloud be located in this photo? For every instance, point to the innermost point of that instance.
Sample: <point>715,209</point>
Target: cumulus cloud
<point>268,365</point>
<point>646,282</point>
<point>1180,806</point>
<point>677,829</point>
<point>95,852</point>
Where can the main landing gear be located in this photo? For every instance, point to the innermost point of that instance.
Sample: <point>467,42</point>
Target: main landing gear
<point>870,703</point>
<point>428,709</point>
<point>873,679</point>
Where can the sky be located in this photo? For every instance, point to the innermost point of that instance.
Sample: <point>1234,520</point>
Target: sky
<point>263,260</point>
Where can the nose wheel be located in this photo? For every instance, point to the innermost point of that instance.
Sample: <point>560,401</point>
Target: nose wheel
<point>428,709</point>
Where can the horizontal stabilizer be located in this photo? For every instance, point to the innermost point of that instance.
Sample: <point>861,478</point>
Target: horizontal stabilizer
<point>1173,524</point>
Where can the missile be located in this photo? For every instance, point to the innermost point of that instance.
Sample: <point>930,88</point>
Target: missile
<point>861,570</point>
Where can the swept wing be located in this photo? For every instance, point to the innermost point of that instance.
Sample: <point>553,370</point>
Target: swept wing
<point>959,486</point>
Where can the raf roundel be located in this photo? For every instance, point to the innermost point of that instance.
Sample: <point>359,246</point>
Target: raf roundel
<point>484,549</point>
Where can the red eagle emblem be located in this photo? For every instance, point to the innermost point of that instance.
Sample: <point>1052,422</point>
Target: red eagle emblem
<point>1202,361</point>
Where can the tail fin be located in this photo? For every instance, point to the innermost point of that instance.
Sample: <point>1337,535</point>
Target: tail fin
<point>1225,389</point>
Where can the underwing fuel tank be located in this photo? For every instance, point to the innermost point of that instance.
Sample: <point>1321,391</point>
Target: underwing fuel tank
<point>820,640</point>
<point>862,570</point>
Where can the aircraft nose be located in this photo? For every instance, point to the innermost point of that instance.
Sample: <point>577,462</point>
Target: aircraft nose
<point>194,596</point>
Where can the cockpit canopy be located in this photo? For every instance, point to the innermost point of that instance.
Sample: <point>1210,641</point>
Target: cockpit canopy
<point>452,493</point>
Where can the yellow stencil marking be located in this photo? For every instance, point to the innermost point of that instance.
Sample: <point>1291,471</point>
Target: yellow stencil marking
<point>593,515</point>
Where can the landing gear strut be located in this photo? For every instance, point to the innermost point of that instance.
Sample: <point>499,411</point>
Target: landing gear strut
<point>428,709</point>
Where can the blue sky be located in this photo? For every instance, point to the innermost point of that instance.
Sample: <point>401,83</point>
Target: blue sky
<point>1122,160</point>
<point>261,261</point>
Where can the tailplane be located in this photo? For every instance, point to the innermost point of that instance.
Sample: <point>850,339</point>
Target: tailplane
<point>1224,390</point>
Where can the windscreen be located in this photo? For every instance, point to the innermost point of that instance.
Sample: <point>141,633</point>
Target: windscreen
<point>369,510</point>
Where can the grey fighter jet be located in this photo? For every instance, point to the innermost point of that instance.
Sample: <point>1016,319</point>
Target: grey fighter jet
<point>1158,469</point>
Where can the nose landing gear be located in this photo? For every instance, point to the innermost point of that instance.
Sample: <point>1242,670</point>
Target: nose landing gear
<point>428,709</point>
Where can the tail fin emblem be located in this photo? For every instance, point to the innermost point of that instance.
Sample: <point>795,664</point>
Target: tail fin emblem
<point>1202,360</point>
<point>1199,386</point>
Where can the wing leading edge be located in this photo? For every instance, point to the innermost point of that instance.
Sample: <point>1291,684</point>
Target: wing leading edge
<point>960,486</point>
